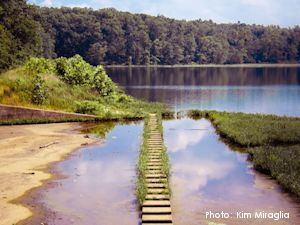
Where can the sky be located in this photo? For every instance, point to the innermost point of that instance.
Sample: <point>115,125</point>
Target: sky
<point>267,12</point>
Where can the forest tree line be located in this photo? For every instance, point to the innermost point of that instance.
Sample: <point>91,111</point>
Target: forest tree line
<point>108,36</point>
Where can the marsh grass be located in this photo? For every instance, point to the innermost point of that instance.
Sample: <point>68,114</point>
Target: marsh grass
<point>141,190</point>
<point>141,187</point>
<point>273,142</point>
<point>251,130</point>
<point>282,163</point>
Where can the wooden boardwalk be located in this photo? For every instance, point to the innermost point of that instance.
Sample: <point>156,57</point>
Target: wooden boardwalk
<point>156,209</point>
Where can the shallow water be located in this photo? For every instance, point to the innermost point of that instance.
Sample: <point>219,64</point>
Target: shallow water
<point>262,90</point>
<point>208,176</point>
<point>99,183</point>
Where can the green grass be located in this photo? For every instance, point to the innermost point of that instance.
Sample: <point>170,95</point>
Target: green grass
<point>273,142</point>
<point>141,187</point>
<point>250,130</point>
<point>42,121</point>
<point>142,163</point>
<point>282,163</point>
<point>16,89</point>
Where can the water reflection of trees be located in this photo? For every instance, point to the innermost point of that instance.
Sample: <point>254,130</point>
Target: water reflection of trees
<point>195,76</point>
<point>100,129</point>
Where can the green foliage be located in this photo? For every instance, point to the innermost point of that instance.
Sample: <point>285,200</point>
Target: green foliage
<point>141,189</point>
<point>108,36</point>
<point>39,66</point>
<point>277,141</point>
<point>87,107</point>
<point>74,71</point>
<point>97,95</point>
<point>39,91</point>
<point>100,129</point>
<point>256,129</point>
<point>283,163</point>
<point>20,33</point>
<point>6,55</point>
<point>102,83</point>
<point>113,37</point>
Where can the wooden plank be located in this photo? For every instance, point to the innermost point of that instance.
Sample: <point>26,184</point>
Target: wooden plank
<point>157,197</point>
<point>155,203</point>
<point>157,190</point>
<point>156,218</point>
<point>156,210</point>
<point>156,185</point>
<point>156,180</point>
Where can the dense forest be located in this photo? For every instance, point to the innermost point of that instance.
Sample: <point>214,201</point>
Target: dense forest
<point>108,36</point>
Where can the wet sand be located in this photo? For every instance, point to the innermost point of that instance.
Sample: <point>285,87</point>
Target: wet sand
<point>25,153</point>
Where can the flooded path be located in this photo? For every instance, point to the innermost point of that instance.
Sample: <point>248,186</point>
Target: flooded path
<point>208,176</point>
<point>99,183</point>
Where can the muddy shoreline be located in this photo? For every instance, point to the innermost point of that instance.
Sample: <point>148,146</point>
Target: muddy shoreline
<point>27,167</point>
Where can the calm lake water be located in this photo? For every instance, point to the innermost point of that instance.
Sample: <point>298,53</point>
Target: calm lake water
<point>208,176</point>
<point>262,90</point>
<point>99,183</point>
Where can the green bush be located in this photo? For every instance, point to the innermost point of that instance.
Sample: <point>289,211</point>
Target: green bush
<point>39,91</point>
<point>40,66</point>
<point>87,107</point>
<point>74,71</point>
<point>102,83</point>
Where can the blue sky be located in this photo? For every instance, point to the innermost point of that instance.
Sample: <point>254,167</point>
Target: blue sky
<point>279,12</point>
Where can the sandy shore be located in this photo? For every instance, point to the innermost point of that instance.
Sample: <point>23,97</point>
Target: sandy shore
<point>25,153</point>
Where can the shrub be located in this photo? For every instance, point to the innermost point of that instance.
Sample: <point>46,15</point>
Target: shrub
<point>87,107</point>
<point>40,65</point>
<point>74,71</point>
<point>39,91</point>
<point>102,83</point>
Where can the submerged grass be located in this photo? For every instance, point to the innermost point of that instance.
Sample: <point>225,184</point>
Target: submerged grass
<point>282,163</point>
<point>273,142</point>
<point>142,163</point>
<point>251,130</point>
<point>141,189</point>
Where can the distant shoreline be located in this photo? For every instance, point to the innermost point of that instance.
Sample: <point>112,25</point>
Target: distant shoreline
<point>254,65</point>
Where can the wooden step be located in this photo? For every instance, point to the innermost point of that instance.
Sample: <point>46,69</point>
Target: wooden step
<point>156,218</point>
<point>151,176</point>
<point>156,180</point>
<point>156,185</point>
<point>156,210</point>
<point>157,190</point>
<point>157,197</point>
<point>155,203</point>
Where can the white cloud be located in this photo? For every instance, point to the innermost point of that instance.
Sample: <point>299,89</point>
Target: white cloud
<point>186,134</point>
<point>47,3</point>
<point>194,174</point>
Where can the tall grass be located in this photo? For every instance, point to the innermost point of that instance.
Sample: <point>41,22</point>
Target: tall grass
<point>250,130</point>
<point>142,163</point>
<point>144,158</point>
<point>273,142</point>
<point>16,89</point>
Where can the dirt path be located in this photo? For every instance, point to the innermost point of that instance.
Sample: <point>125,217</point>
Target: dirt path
<point>25,153</point>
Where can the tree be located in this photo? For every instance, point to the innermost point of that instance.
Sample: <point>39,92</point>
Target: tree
<point>20,33</point>
<point>213,50</point>
<point>96,54</point>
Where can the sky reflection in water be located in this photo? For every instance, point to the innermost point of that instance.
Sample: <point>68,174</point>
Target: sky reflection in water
<point>100,183</point>
<point>207,175</point>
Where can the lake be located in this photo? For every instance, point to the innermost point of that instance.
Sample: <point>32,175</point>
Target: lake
<point>272,90</point>
<point>98,182</point>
